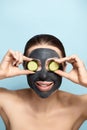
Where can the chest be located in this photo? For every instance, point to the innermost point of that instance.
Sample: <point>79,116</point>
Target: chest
<point>40,123</point>
<point>27,120</point>
<point>20,116</point>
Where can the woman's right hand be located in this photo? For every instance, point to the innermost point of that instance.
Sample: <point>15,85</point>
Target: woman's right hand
<point>9,66</point>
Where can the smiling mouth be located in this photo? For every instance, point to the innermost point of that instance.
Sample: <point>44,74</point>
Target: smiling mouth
<point>44,85</point>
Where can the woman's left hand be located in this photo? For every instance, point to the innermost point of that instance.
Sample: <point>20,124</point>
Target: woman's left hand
<point>78,73</point>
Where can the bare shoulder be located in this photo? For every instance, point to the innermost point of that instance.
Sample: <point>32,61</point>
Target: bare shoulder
<point>75,102</point>
<point>4,96</point>
<point>12,95</point>
<point>23,93</point>
<point>4,92</point>
<point>70,99</point>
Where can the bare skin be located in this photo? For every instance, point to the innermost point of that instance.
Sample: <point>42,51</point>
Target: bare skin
<point>25,110</point>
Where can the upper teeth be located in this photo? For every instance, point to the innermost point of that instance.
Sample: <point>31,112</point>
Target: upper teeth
<point>43,84</point>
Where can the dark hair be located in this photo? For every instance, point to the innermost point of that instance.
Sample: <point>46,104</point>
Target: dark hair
<point>44,39</point>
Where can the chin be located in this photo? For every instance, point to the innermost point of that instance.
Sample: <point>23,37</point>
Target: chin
<point>46,94</point>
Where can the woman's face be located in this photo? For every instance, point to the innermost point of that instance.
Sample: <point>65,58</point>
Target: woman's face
<point>44,82</point>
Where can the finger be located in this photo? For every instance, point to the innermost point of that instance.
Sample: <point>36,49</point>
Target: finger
<point>59,60</point>
<point>9,58</point>
<point>26,58</point>
<point>12,54</point>
<point>62,73</point>
<point>20,59</point>
<point>25,72</point>
<point>75,61</point>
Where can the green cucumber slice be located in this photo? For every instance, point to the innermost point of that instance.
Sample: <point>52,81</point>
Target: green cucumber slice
<point>32,65</point>
<point>53,66</point>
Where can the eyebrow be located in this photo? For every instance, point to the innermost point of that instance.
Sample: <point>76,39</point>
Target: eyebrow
<point>29,50</point>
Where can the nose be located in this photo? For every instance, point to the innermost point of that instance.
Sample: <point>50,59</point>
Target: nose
<point>43,74</point>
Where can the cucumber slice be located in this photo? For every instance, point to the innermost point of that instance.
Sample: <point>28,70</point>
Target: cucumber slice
<point>53,66</point>
<point>32,65</point>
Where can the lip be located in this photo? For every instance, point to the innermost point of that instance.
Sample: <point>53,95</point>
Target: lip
<point>44,85</point>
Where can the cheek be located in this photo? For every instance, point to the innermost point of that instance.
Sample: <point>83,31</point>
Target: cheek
<point>50,77</point>
<point>31,79</point>
<point>57,79</point>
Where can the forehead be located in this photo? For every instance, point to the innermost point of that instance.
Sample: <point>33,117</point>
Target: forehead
<point>43,53</point>
<point>45,47</point>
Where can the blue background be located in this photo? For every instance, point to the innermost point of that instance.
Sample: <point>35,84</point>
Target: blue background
<point>21,19</point>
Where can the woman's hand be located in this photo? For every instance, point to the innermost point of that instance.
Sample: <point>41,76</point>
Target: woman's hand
<point>78,73</point>
<point>9,66</point>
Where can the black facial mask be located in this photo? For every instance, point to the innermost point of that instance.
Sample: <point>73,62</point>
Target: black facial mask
<point>44,75</point>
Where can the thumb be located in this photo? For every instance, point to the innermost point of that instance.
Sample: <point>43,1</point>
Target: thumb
<point>25,72</point>
<point>62,73</point>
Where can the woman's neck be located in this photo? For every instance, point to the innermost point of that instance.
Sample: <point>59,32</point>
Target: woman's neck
<point>45,104</point>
